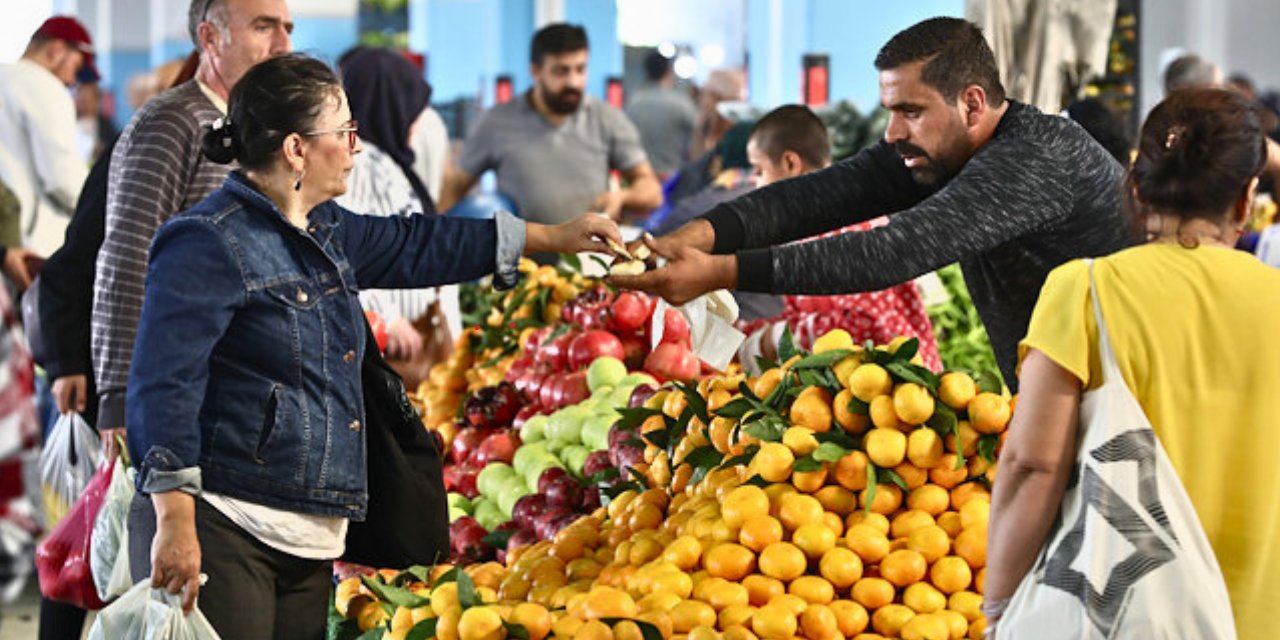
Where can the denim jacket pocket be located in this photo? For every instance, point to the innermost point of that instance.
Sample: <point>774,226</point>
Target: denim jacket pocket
<point>301,295</point>
<point>270,418</point>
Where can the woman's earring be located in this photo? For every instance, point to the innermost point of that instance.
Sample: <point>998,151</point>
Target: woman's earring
<point>297,182</point>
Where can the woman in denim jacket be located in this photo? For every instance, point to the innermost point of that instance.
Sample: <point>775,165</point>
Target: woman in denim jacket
<point>244,402</point>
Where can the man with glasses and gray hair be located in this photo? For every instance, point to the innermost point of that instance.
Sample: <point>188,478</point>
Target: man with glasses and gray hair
<point>157,170</point>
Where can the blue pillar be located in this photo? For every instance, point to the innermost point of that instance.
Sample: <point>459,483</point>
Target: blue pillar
<point>777,36</point>
<point>515,36</point>
<point>600,19</point>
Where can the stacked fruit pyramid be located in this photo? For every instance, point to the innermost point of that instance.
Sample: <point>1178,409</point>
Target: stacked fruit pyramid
<point>841,494</point>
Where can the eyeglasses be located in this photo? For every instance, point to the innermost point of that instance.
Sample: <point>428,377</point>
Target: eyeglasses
<point>352,132</point>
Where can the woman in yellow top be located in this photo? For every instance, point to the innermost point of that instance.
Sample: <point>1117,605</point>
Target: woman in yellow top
<point>1192,323</point>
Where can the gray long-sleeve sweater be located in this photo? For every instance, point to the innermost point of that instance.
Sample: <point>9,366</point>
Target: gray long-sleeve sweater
<point>157,171</point>
<point>1039,193</point>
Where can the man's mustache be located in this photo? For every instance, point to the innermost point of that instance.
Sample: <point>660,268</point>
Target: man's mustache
<point>569,93</point>
<point>908,149</point>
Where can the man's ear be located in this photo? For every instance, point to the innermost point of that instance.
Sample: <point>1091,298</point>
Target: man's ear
<point>791,163</point>
<point>209,36</point>
<point>973,103</point>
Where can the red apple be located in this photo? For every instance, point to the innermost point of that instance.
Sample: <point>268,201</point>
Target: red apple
<point>466,537</point>
<point>500,446</point>
<point>641,394</point>
<point>465,443</point>
<point>452,477</point>
<point>564,492</point>
<point>550,388</point>
<point>628,312</point>
<point>590,500</point>
<point>670,361</point>
<point>634,349</point>
<point>628,457</point>
<point>554,354</point>
<point>467,483</point>
<point>574,389</point>
<point>523,537</point>
<point>550,475</point>
<point>544,523</point>
<point>522,416</point>
<point>596,462</point>
<point>675,327</point>
<point>593,344</point>
<point>528,508</point>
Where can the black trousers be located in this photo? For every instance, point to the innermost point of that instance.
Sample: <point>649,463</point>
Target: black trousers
<point>253,591</point>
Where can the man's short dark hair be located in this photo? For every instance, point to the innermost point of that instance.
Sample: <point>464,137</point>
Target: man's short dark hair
<point>656,66</point>
<point>955,56</point>
<point>793,127</point>
<point>555,39</point>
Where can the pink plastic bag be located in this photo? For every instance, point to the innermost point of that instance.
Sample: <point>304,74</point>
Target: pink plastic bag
<point>62,560</point>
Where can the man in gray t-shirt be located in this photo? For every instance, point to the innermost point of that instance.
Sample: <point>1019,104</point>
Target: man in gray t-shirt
<point>553,148</point>
<point>664,115</point>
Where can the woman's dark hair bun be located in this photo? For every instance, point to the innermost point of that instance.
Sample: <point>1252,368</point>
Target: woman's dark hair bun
<point>220,144</point>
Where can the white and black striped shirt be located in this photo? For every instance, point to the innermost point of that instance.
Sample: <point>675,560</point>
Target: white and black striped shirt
<point>157,171</point>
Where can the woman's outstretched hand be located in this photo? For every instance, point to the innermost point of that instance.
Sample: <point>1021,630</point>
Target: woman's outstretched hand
<point>588,232</point>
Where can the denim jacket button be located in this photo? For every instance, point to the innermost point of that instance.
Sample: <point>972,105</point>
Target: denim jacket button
<point>302,295</point>
<point>355,425</point>
<point>349,356</point>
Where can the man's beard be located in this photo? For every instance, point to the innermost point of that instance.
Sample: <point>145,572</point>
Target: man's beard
<point>565,102</point>
<point>935,170</point>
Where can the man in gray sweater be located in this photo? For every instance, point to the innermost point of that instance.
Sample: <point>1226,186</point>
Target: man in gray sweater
<point>157,171</point>
<point>964,174</point>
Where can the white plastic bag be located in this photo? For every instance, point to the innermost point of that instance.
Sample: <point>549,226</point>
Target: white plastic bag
<point>1127,559</point>
<point>144,613</point>
<point>109,535</point>
<point>69,459</point>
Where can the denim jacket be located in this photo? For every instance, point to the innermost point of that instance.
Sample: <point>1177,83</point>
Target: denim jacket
<point>246,370</point>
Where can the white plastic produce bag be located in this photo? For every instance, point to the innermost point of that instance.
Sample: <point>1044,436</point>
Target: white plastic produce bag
<point>1128,559</point>
<point>144,613</point>
<point>69,459</point>
<point>109,545</point>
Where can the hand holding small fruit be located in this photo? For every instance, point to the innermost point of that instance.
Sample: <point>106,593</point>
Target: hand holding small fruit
<point>687,274</point>
<point>403,340</point>
<point>587,232</point>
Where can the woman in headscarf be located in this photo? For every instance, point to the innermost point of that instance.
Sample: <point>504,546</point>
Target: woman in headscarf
<point>387,94</point>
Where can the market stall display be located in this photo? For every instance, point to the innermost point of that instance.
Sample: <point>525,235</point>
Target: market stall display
<point>842,492</point>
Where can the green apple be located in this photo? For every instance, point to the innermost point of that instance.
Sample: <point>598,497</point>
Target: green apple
<point>595,431</point>
<point>459,501</point>
<point>605,371</point>
<point>527,452</point>
<point>455,513</point>
<point>565,425</point>
<point>636,379</point>
<point>534,429</point>
<point>575,457</point>
<point>510,493</point>
<point>491,478</point>
<point>489,515</point>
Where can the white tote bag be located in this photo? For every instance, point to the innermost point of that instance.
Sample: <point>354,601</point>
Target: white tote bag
<point>1127,558</point>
